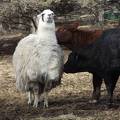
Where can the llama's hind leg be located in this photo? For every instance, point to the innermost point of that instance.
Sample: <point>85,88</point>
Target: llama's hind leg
<point>45,99</point>
<point>30,97</point>
<point>46,89</point>
<point>41,94</point>
<point>36,95</point>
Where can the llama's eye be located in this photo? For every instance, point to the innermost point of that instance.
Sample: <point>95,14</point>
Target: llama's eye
<point>52,14</point>
<point>43,15</point>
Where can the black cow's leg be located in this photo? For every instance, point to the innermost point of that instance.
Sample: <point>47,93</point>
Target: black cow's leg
<point>97,81</point>
<point>110,82</point>
<point>114,81</point>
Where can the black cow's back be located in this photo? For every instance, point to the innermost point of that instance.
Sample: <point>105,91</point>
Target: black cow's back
<point>108,49</point>
<point>99,57</point>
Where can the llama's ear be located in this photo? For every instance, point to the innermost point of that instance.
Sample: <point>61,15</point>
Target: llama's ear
<point>41,16</point>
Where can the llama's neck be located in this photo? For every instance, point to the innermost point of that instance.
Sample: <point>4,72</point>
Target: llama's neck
<point>46,32</point>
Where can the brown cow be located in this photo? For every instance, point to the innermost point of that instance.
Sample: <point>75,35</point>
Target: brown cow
<point>72,37</point>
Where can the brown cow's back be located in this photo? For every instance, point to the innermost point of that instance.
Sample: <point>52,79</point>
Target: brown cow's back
<point>85,37</point>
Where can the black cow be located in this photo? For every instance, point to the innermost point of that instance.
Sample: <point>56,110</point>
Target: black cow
<point>101,58</point>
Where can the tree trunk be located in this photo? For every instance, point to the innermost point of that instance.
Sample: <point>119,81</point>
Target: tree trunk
<point>8,43</point>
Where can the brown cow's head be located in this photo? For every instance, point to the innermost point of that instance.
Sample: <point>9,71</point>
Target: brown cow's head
<point>64,33</point>
<point>72,37</point>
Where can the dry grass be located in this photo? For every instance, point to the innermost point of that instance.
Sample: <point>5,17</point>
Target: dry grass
<point>69,101</point>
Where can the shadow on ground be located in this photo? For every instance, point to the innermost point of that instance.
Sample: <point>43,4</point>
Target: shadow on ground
<point>73,104</point>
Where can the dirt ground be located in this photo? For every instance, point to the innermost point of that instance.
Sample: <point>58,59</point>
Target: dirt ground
<point>69,101</point>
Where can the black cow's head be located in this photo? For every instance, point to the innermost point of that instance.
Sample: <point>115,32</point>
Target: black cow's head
<point>77,62</point>
<point>71,65</point>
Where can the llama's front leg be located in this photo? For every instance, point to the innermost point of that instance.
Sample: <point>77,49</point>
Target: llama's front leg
<point>30,99</point>
<point>47,84</point>
<point>41,98</point>
<point>36,100</point>
<point>45,99</point>
<point>36,97</point>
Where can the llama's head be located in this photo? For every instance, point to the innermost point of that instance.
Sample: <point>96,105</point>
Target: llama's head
<point>47,16</point>
<point>46,21</point>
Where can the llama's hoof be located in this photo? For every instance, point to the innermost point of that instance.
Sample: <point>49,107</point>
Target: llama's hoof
<point>30,102</point>
<point>35,105</point>
<point>93,101</point>
<point>45,104</point>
